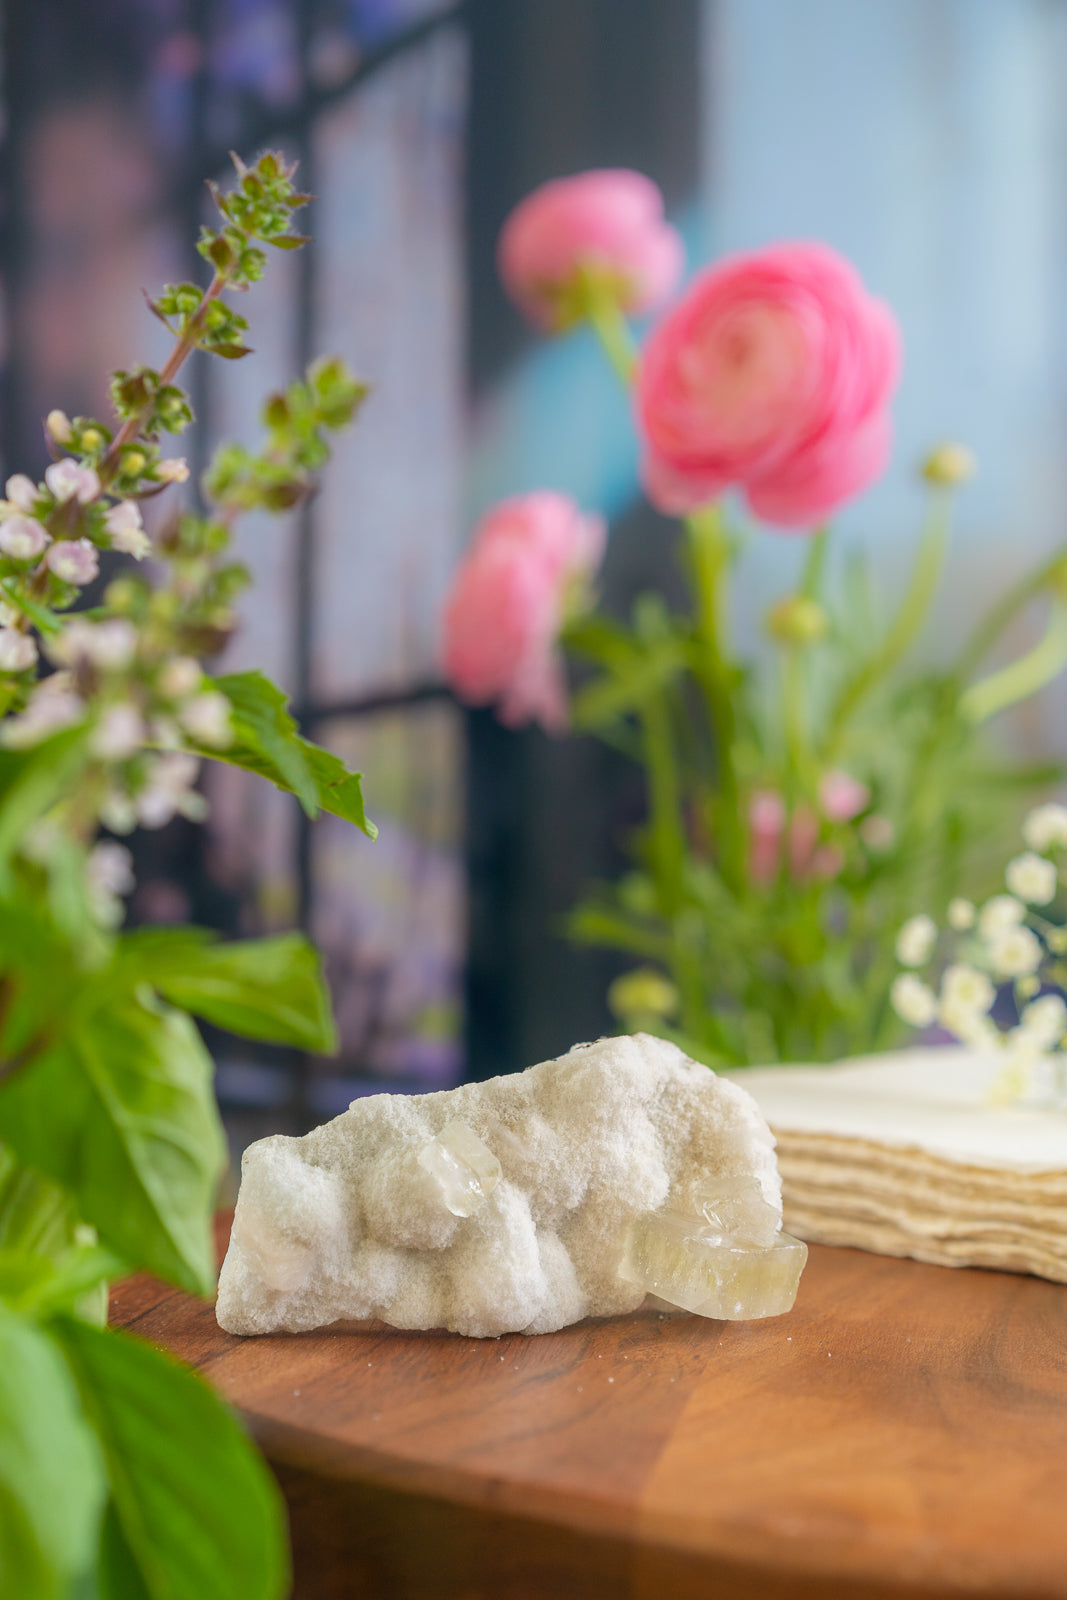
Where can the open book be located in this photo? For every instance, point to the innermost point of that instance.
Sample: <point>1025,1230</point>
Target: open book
<point>903,1154</point>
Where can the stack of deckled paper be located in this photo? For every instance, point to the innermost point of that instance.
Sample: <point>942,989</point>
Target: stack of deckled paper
<point>904,1155</point>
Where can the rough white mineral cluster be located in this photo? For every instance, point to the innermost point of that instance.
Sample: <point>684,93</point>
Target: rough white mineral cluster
<point>573,1189</point>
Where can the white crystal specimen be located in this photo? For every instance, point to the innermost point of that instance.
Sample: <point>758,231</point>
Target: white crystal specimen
<point>564,1166</point>
<point>465,1168</point>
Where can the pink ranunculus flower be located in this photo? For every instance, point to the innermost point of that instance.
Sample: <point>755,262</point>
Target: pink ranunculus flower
<point>607,222</point>
<point>508,602</point>
<point>773,374</point>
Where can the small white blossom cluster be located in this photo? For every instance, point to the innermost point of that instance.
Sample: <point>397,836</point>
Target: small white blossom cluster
<point>1008,940</point>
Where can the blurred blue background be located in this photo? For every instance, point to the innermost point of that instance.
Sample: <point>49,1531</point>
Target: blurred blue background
<point>927,139</point>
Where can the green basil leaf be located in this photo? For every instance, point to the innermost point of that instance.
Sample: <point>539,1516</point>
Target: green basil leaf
<point>198,1513</point>
<point>40,1285</point>
<point>268,742</point>
<point>121,1113</point>
<point>260,988</point>
<point>52,1485</point>
<point>31,781</point>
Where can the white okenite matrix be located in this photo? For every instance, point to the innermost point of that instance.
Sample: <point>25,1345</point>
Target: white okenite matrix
<point>518,1205</point>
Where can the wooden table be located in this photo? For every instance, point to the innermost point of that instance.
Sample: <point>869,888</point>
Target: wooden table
<point>902,1433</point>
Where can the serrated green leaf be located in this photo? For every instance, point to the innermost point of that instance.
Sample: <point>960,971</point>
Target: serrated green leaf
<point>260,988</point>
<point>268,743</point>
<point>197,1512</point>
<point>52,1485</point>
<point>121,1113</point>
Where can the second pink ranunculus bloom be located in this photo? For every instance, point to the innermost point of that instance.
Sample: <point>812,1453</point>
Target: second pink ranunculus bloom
<point>607,222</point>
<point>529,557</point>
<point>773,374</point>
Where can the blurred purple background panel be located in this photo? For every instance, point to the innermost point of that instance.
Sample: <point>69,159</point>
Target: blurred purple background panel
<point>389,298</point>
<point>390,918</point>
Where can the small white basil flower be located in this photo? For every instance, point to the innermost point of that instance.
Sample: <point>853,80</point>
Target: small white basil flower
<point>173,470</point>
<point>966,986</point>
<point>206,718</point>
<point>1032,878</point>
<point>1014,952</point>
<point>961,914</point>
<point>126,530</point>
<point>916,940</point>
<point>1001,912</point>
<point>69,481</point>
<point>52,706</point>
<point>17,651</point>
<point>180,677</point>
<point>74,560</point>
<point>22,538</point>
<point>1046,826</point>
<point>109,868</point>
<point>119,734</point>
<point>169,791</point>
<point>913,1001</point>
<point>21,491</point>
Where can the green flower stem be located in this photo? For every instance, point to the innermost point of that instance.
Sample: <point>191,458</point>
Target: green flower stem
<point>666,828</point>
<point>613,331</point>
<point>1023,677</point>
<point>910,616</point>
<point>183,348</point>
<point>815,564</point>
<point>799,756</point>
<point>1005,610</point>
<point>710,556</point>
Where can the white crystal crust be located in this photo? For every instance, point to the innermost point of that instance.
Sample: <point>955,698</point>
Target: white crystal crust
<point>354,1221</point>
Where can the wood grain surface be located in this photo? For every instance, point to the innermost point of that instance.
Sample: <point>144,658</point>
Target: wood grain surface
<point>903,1432</point>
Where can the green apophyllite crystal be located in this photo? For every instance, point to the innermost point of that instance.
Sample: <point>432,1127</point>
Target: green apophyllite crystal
<point>687,1262</point>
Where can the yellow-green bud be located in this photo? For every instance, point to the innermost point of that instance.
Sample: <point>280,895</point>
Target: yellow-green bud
<point>797,620</point>
<point>58,425</point>
<point>643,992</point>
<point>91,439</point>
<point>133,463</point>
<point>949,465</point>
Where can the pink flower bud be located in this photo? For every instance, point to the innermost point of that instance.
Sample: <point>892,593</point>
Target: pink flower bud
<point>842,796</point>
<point>68,481</point>
<point>74,560</point>
<point>608,223</point>
<point>508,603</point>
<point>772,373</point>
<point>22,538</point>
<point>766,824</point>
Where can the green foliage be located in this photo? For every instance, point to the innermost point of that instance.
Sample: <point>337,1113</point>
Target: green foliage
<point>193,1511</point>
<point>122,1477</point>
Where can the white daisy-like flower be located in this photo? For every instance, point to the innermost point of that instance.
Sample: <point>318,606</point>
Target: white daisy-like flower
<point>916,940</point>
<point>970,1026</point>
<point>1014,952</point>
<point>961,914</point>
<point>1046,826</point>
<point>966,986</point>
<point>1045,1020</point>
<point>1032,878</point>
<point>1003,911</point>
<point>913,1001</point>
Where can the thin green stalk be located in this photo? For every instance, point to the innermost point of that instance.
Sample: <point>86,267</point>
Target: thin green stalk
<point>613,331</point>
<point>1023,677</point>
<point>1004,611</point>
<point>710,566</point>
<point>814,564</point>
<point>665,822</point>
<point>910,616</point>
<point>799,759</point>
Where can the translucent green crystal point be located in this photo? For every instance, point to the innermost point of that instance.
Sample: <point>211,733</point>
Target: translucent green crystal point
<point>682,1260</point>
